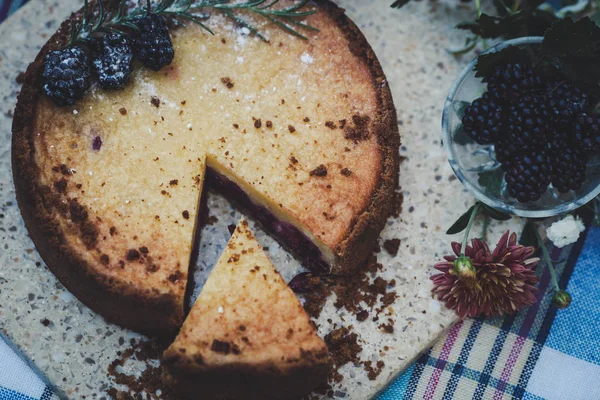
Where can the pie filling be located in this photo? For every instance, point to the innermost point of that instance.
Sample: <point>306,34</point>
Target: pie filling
<point>284,232</point>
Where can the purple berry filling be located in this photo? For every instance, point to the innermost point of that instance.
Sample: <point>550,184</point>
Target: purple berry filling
<point>287,234</point>
<point>97,143</point>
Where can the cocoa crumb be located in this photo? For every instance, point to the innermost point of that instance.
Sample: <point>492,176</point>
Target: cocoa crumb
<point>61,185</point>
<point>291,129</point>
<point>212,220</point>
<point>220,347</point>
<point>112,231</point>
<point>387,328</point>
<point>360,129</point>
<point>320,171</point>
<point>236,126</point>
<point>331,125</point>
<point>173,182</point>
<point>373,372</point>
<point>392,246</point>
<point>306,119</point>
<point>132,254</point>
<point>186,214</point>
<point>155,101</point>
<point>346,172</point>
<point>257,123</point>
<point>227,82</point>
<point>123,111</point>
<point>293,160</point>
<point>104,259</point>
<point>343,348</point>
<point>144,250</point>
<point>175,277</point>
<point>362,315</point>
<point>269,124</point>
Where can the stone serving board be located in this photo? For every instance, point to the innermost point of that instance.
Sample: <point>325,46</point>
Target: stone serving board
<point>74,350</point>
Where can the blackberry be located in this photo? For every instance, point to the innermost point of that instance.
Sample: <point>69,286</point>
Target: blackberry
<point>66,75</point>
<point>569,168</point>
<point>112,61</point>
<point>506,151</point>
<point>587,133</point>
<point>566,100</point>
<point>529,120</point>
<point>529,175</point>
<point>511,81</point>
<point>152,43</point>
<point>482,120</point>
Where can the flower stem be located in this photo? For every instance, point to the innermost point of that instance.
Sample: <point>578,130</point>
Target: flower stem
<point>484,229</point>
<point>547,259</point>
<point>470,224</point>
<point>478,8</point>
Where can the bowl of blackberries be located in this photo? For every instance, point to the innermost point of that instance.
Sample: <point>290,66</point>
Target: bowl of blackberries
<point>522,131</point>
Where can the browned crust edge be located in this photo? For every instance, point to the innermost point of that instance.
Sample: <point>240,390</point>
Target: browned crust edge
<point>248,383</point>
<point>162,315</point>
<point>365,230</point>
<point>145,312</point>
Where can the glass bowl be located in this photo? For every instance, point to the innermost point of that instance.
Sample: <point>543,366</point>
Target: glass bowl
<point>476,165</point>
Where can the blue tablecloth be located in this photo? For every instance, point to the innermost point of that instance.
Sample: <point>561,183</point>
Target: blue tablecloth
<point>540,353</point>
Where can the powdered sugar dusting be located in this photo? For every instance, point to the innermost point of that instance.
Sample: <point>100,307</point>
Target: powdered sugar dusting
<point>307,58</point>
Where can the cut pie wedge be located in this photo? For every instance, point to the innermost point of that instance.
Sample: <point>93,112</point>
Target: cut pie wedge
<point>247,336</point>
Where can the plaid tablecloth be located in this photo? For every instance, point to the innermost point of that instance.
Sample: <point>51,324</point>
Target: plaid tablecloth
<point>540,353</point>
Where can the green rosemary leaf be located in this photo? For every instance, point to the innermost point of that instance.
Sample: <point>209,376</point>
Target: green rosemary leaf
<point>270,4</point>
<point>192,18</point>
<point>243,23</point>
<point>399,3</point>
<point>298,23</point>
<point>100,15</point>
<point>285,27</point>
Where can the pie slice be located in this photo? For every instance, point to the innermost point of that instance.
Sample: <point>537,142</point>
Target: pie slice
<point>247,336</point>
<point>301,133</point>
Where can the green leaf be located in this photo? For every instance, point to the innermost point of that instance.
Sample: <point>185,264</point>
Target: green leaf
<point>399,3</point>
<point>461,137</point>
<point>459,107</point>
<point>461,223</point>
<point>491,180</point>
<point>487,26</point>
<point>575,47</point>
<point>528,236</point>
<point>512,54</point>
<point>495,214</point>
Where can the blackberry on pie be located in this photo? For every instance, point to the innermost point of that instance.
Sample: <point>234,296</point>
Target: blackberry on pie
<point>152,43</point>
<point>66,75</point>
<point>113,61</point>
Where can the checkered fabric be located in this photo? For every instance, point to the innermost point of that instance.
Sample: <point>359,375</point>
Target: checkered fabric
<point>539,353</point>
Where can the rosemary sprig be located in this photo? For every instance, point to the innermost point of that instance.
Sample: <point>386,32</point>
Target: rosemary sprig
<point>116,17</point>
<point>285,18</point>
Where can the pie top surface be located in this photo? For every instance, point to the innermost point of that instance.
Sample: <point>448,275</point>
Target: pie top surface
<point>112,184</point>
<point>246,318</point>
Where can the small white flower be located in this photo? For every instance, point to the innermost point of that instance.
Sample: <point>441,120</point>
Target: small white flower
<point>565,231</point>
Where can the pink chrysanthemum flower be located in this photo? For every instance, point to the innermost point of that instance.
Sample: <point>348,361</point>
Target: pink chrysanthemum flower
<point>482,282</point>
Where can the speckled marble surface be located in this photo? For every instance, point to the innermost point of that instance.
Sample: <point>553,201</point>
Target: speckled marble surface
<point>74,346</point>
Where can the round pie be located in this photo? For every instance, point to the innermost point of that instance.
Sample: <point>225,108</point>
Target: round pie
<point>300,133</point>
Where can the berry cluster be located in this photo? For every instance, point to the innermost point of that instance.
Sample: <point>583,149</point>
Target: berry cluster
<point>542,129</point>
<point>67,72</point>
